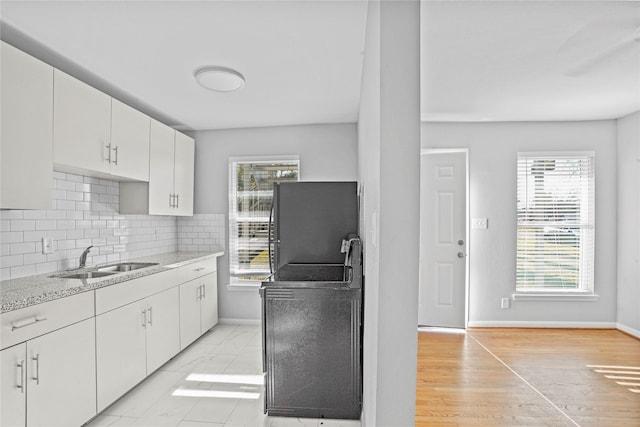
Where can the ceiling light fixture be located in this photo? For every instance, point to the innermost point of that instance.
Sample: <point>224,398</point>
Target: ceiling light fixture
<point>219,79</point>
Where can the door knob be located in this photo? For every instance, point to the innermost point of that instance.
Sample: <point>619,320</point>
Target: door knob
<point>460,242</point>
<point>460,255</point>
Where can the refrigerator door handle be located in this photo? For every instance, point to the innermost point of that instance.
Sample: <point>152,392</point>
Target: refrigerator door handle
<point>270,238</point>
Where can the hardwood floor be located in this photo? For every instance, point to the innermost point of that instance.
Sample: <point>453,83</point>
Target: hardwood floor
<point>528,377</point>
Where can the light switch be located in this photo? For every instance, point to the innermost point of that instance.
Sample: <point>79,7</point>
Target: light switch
<point>47,245</point>
<point>479,223</point>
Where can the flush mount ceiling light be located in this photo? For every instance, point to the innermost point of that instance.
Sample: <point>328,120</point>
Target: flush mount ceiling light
<point>220,79</point>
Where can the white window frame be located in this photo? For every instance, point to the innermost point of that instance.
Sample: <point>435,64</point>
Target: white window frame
<point>234,282</point>
<point>585,289</point>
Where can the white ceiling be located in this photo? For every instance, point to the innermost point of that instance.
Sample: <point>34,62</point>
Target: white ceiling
<point>302,59</point>
<point>530,60</point>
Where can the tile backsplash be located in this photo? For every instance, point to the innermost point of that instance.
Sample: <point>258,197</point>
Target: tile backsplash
<point>85,212</point>
<point>201,232</point>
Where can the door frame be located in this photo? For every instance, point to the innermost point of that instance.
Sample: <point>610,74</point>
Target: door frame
<point>432,151</point>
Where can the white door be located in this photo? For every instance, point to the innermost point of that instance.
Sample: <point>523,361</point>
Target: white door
<point>443,245</point>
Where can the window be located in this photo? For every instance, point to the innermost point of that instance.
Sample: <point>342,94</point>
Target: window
<point>250,194</point>
<point>555,222</point>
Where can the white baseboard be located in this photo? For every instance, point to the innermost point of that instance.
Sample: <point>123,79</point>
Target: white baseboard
<point>242,322</point>
<point>628,330</point>
<point>541,324</point>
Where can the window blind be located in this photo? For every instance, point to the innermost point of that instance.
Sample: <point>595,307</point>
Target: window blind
<point>250,195</point>
<point>555,222</point>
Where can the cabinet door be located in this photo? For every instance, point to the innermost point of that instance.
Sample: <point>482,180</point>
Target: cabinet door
<point>161,157</point>
<point>61,387</point>
<point>163,328</point>
<point>121,353</point>
<point>184,169</point>
<point>13,371</point>
<point>190,295</point>
<point>26,140</point>
<point>209,302</point>
<point>81,124</point>
<point>129,142</point>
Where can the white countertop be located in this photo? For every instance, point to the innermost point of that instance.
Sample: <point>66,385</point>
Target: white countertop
<point>27,291</point>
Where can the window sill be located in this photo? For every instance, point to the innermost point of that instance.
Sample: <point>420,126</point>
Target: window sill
<point>555,296</point>
<point>244,287</point>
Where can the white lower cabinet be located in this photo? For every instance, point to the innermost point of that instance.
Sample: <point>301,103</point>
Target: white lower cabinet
<point>13,397</point>
<point>198,308</point>
<point>134,340</point>
<point>121,352</point>
<point>163,328</point>
<point>50,380</point>
<point>66,360</point>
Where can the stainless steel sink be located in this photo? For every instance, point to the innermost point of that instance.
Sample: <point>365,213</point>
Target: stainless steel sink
<point>87,275</point>
<point>125,266</point>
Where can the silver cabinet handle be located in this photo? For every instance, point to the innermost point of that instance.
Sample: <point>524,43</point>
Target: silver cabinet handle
<point>21,383</point>
<point>204,292</point>
<point>150,316</point>
<point>108,159</point>
<point>36,377</point>
<point>144,318</point>
<point>28,321</point>
<point>115,162</point>
<point>199,294</point>
<point>177,200</point>
<point>170,200</point>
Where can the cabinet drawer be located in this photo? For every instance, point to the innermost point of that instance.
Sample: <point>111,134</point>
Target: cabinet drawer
<point>123,293</point>
<point>30,322</point>
<point>196,269</point>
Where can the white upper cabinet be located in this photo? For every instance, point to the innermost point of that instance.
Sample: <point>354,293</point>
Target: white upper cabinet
<point>183,174</point>
<point>94,134</point>
<point>161,174</point>
<point>171,175</point>
<point>81,127</point>
<point>129,142</point>
<point>26,130</point>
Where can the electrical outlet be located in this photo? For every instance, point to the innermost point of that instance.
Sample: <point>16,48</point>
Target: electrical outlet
<point>504,303</point>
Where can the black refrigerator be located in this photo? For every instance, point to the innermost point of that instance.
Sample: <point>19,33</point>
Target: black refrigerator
<point>312,303</point>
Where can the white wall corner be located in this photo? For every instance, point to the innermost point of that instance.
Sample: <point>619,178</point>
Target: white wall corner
<point>627,330</point>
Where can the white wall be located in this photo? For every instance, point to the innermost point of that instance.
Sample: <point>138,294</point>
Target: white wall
<point>327,152</point>
<point>369,177</point>
<point>389,155</point>
<point>628,129</point>
<point>493,149</point>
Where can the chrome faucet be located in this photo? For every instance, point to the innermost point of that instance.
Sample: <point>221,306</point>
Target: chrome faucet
<point>83,257</point>
<point>345,248</point>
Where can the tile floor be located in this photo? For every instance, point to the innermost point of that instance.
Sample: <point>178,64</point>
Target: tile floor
<point>226,350</point>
